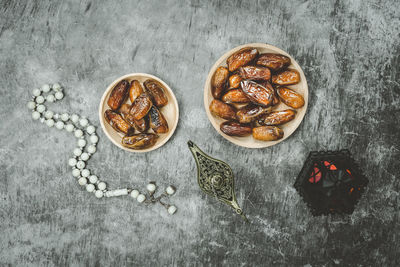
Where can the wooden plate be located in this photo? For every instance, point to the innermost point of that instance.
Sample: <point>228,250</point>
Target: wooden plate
<point>288,128</point>
<point>170,112</point>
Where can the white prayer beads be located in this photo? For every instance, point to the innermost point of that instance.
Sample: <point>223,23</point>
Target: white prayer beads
<point>71,123</point>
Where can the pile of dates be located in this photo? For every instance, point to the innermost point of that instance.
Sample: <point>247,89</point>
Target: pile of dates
<point>143,112</point>
<point>247,90</point>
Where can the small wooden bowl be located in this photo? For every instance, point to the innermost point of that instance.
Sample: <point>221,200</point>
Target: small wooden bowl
<point>170,112</point>
<point>288,128</point>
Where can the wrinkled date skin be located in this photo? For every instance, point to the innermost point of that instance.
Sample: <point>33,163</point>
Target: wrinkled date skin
<point>286,77</point>
<point>257,93</point>
<point>141,106</point>
<point>250,113</point>
<point>139,141</point>
<point>275,98</point>
<point>117,122</point>
<point>255,73</point>
<point>222,110</point>
<point>234,81</point>
<point>135,90</point>
<point>218,82</point>
<point>234,128</point>
<point>118,95</point>
<point>235,96</point>
<point>277,117</point>
<point>241,58</point>
<point>267,133</point>
<point>156,90</point>
<point>274,62</point>
<point>157,121</point>
<point>290,98</point>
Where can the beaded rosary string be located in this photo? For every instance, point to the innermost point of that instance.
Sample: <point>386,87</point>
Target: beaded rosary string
<point>84,176</point>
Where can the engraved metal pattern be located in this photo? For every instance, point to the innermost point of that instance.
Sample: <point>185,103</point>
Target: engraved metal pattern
<point>215,178</point>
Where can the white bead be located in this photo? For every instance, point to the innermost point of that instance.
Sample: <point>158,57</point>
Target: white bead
<point>85,173</point>
<point>50,98</point>
<point>77,152</point>
<point>83,122</point>
<point>35,115</point>
<point>134,193</point>
<point>171,209</point>
<point>99,193</point>
<point>64,117</point>
<point>36,92</point>
<point>56,116</point>
<point>59,95</point>
<point>72,162</point>
<point>92,149</point>
<point>170,190</point>
<point>120,192</point>
<point>140,198</point>
<point>90,188</point>
<point>82,181</point>
<point>49,114</point>
<point>39,99</point>
<point>50,122</point>
<point>81,142</point>
<point>59,125</point>
<point>93,179</point>
<point>84,156</point>
<point>94,139</point>
<point>42,120</point>
<point>76,172</point>
<point>69,127</point>
<point>56,86</point>
<point>46,88</point>
<point>90,129</point>
<point>102,186</point>
<point>31,105</point>
<point>151,187</point>
<point>41,108</point>
<point>74,118</point>
<point>80,164</point>
<point>78,133</point>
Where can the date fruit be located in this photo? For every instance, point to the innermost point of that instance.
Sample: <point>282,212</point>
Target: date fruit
<point>267,133</point>
<point>258,94</point>
<point>277,117</point>
<point>222,110</point>
<point>286,77</point>
<point>218,82</point>
<point>235,96</point>
<point>250,113</point>
<point>141,106</point>
<point>157,121</point>
<point>234,128</point>
<point>118,95</point>
<point>234,81</point>
<point>117,122</point>
<point>290,98</point>
<point>274,62</point>
<point>156,90</point>
<point>255,73</point>
<point>241,58</point>
<point>135,90</point>
<point>139,141</point>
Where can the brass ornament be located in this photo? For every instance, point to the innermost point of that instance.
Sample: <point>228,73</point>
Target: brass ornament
<point>215,178</point>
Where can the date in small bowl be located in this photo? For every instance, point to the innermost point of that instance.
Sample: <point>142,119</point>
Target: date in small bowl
<point>170,111</point>
<point>218,121</point>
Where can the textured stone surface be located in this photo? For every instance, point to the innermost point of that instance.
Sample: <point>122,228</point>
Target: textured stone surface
<point>349,51</point>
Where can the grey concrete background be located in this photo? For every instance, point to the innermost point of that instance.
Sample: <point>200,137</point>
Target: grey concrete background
<point>349,51</point>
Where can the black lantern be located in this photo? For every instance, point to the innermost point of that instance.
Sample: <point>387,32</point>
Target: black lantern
<point>331,182</point>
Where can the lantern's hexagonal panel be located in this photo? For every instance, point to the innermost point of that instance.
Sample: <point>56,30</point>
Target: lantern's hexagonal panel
<point>331,182</point>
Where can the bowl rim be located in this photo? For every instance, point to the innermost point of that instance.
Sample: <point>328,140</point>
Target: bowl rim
<point>207,86</point>
<point>132,76</point>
